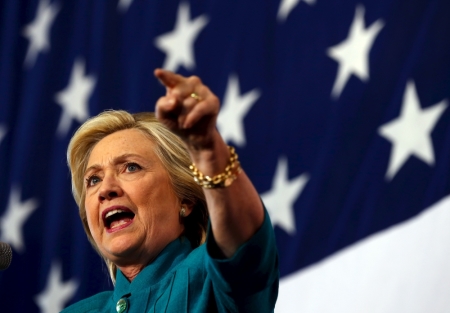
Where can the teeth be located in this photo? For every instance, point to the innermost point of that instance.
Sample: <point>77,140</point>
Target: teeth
<point>110,213</point>
<point>117,224</point>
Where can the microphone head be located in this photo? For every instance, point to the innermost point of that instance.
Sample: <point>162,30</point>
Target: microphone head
<point>5,255</point>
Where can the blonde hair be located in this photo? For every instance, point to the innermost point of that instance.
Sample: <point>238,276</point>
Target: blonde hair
<point>170,150</point>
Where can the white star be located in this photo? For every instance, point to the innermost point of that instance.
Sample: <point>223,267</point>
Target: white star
<point>280,200</point>
<point>37,32</point>
<point>3,131</point>
<point>74,98</point>
<point>12,221</point>
<point>410,133</point>
<point>179,44</point>
<point>123,5</point>
<point>235,106</point>
<point>56,293</point>
<point>353,53</point>
<point>286,6</point>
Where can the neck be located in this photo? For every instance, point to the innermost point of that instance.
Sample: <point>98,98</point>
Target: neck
<point>131,271</point>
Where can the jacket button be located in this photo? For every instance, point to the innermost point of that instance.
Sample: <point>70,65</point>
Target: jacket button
<point>121,305</point>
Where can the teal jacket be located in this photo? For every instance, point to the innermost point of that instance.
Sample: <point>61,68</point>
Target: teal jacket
<point>182,279</point>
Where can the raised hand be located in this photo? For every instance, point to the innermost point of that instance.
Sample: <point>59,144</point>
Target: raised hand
<point>189,109</point>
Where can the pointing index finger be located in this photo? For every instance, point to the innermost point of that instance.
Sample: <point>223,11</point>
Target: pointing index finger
<point>168,78</point>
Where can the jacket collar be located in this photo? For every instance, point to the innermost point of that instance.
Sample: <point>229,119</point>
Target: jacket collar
<point>165,263</point>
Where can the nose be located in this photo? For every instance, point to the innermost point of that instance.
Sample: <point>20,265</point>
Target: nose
<point>110,189</point>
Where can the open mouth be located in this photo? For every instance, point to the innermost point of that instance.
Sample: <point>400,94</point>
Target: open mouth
<point>117,218</point>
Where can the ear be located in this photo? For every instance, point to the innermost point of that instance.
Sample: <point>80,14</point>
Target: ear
<point>188,205</point>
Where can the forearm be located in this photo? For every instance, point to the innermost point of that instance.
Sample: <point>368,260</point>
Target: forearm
<point>236,211</point>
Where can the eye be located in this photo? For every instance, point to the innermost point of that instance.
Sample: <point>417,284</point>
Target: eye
<point>92,180</point>
<point>132,167</point>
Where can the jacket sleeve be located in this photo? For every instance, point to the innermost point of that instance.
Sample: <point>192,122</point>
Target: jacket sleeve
<point>248,281</point>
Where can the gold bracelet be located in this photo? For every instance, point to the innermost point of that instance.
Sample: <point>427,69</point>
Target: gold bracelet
<point>222,180</point>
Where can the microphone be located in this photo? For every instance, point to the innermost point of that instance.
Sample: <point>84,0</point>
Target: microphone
<point>5,255</point>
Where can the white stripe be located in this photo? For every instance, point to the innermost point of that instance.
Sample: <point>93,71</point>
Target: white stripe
<point>405,268</point>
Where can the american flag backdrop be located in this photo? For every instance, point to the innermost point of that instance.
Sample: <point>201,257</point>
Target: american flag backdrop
<point>338,110</point>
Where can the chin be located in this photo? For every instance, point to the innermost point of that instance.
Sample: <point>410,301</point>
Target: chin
<point>120,248</point>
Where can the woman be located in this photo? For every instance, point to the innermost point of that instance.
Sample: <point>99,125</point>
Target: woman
<point>147,217</point>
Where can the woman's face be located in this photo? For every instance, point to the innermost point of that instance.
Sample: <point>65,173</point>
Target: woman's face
<point>132,210</point>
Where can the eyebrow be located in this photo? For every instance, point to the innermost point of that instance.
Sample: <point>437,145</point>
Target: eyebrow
<point>116,160</point>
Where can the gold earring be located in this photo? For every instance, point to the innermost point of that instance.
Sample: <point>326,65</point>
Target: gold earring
<point>183,211</point>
